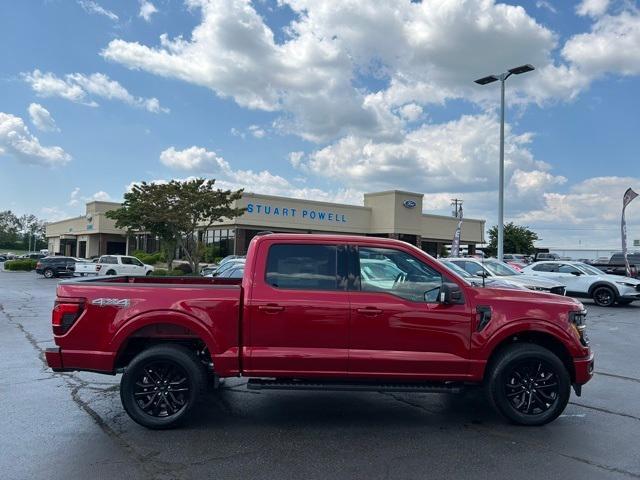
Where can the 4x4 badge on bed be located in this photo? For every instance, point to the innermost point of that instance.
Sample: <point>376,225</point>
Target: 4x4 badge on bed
<point>111,302</point>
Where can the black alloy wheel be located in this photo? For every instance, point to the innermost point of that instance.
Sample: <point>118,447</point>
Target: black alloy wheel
<point>604,296</point>
<point>161,385</point>
<point>531,386</point>
<point>162,389</point>
<point>528,384</point>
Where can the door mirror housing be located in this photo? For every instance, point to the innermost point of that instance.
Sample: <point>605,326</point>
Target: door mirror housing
<point>576,273</point>
<point>482,273</point>
<point>451,294</point>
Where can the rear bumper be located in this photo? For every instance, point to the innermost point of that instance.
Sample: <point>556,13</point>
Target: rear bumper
<point>54,359</point>
<point>584,369</point>
<point>73,360</point>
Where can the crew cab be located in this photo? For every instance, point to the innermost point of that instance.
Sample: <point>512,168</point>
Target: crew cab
<point>305,316</point>
<point>121,265</point>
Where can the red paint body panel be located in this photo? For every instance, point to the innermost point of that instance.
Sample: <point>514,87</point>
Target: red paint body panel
<point>255,329</point>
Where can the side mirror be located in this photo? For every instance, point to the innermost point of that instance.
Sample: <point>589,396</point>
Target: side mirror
<point>577,274</point>
<point>451,294</point>
<point>481,273</point>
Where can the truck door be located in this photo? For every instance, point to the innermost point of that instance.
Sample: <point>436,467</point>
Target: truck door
<point>398,327</point>
<point>298,311</point>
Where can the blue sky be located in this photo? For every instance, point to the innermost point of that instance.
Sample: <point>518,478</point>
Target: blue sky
<point>326,100</point>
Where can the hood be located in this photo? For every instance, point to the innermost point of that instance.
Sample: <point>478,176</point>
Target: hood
<point>529,299</point>
<point>619,278</point>
<point>533,281</point>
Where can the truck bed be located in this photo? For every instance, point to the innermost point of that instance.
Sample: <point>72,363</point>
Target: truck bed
<point>115,310</point>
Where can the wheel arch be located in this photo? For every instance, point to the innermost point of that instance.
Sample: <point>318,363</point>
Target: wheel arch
<point>546,339</point>
<point>603,283</point>
<point>146,330</point>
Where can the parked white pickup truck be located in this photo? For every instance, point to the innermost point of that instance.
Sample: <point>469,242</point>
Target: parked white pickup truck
<point>122,265</point>
<point>85,267</point>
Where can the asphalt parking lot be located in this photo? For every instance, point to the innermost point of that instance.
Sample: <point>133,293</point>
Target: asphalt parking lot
<point>72,425</point>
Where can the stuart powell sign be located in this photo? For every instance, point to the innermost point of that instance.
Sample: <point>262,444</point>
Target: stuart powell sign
<point>324,216</point>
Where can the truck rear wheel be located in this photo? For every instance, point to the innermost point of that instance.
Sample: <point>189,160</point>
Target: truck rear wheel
<point>161,385</point>
<point>528,384</point>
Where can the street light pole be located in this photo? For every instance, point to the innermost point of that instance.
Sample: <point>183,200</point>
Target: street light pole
<point>483,81</point>
<point>503,78</point>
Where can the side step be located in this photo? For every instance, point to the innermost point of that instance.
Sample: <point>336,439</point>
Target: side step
<point>332,385</point>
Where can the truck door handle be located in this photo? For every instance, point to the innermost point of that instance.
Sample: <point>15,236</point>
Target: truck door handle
<point>369,311</point>
<point>271,308</point>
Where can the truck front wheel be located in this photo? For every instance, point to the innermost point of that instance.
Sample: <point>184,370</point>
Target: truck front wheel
<point>528,384</point>
<point>161,385</point>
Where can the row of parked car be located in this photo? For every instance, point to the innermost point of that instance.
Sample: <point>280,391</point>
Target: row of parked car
<point>231,266</point>
<point>576,279</point>
<point>57,266</point>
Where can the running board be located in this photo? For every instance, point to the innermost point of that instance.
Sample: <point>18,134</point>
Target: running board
<point>330,385</point>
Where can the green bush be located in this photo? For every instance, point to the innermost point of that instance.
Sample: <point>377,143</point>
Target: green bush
<point>185,268</point>
<point>163,272</point>
<point>149,258</point>
<point>24,265</point>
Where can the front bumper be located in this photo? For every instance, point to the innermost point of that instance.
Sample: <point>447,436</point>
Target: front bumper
<point>584,369</point>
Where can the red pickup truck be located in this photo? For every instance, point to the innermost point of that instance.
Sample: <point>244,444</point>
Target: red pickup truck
<point>323,312</point>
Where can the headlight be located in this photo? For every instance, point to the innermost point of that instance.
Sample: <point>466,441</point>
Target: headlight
<point>536,288</point>
<point>627,284</point>
<point>578,320</point>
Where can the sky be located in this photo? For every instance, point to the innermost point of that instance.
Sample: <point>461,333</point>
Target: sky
<point>327,100</point>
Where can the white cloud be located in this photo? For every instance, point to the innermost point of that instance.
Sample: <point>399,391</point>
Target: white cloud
<point>459,155</point>
<point>613,45</point>
<point>147,9</point>
<point>592,8</point>
<point>79,88</point>
<point>41,118</point>
<point>76,199</point>
<point>17,141</point>
<point>411,112</point>
<point>257,131</point>
<point>546,5</point>
<point>194,158</point>
<point>95,8</point>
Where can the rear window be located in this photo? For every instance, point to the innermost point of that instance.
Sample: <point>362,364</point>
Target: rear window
<point>302,267</point>
<point>545,267</point>
<point>109,260</point>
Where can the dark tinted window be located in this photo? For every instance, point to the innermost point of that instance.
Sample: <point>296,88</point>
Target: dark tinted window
<point>109,260</point>
<point>545,267</point>
<point>619,258</point>
<point>302,267</point>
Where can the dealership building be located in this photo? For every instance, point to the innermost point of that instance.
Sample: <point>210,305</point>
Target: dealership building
<point>393,214</point>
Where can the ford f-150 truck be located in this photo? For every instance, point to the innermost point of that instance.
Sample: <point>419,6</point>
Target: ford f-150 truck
<point>306,316</point>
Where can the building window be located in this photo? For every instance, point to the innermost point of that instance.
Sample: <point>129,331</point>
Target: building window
<point>219,242</point>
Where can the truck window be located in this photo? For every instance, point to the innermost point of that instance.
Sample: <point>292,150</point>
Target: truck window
<point>302,267</point>
<point>392,271</point>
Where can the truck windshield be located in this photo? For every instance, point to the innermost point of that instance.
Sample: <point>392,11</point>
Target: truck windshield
<point>500,269</point>
<point>588,269</point>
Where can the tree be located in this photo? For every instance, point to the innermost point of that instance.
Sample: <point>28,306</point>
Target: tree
<point>517,239</point>
<point>9,229</point>
<point>176,212</point>
<point>199,206</point>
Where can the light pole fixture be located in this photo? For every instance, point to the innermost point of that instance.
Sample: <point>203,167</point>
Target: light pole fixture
<point>484,81</point>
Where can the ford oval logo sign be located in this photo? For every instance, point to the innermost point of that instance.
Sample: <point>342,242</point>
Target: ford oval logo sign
<point>409,204</point>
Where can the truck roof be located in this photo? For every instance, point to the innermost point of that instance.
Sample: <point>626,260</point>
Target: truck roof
<point>328,237</point>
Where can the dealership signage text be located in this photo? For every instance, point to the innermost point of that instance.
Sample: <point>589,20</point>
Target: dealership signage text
<point>321,215</point>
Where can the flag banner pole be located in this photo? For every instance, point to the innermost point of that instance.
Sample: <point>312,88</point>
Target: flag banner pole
<point>628,197</point>
<point>455,246</point>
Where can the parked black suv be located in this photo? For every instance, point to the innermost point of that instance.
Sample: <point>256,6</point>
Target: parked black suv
<point>56,266</point>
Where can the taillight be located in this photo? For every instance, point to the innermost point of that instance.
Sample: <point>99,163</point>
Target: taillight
<point>38,264</point>
<point>98,267</point>
<point>65,312</point>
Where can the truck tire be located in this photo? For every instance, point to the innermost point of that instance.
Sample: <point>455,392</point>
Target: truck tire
<point>49,273</point>
<point>161,385</point>
<point>528,384</point>
<point>603,296</point>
